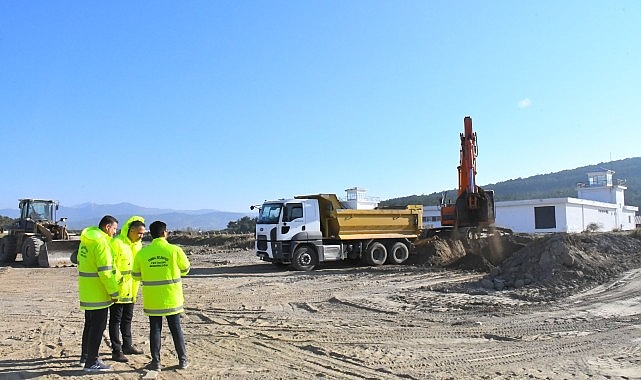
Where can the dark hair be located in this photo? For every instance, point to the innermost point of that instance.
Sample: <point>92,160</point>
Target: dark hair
<point>157,229</point>
<point>135,224</point>
<point>106,220</point>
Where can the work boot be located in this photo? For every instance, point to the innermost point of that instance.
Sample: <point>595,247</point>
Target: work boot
<point>132,350</point>
<point>119,357</point>
<point>153,366</point>
<point>183,364</point>
<point>97,366</point>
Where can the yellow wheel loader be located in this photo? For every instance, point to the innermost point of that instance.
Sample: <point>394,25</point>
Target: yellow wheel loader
<point>38,236</point>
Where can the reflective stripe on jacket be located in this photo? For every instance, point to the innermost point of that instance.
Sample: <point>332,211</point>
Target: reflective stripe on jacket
<point>124,252</point>
<point>160,266</point>
<point>97,284</point>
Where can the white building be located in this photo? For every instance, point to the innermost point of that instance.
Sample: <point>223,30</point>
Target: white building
<point>600,204</point>
<point>357,200</point>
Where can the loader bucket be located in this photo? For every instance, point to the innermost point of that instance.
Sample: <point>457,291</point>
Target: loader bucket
<point>58,253</point>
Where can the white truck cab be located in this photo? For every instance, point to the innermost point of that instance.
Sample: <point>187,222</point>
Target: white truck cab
<point>282,223</point>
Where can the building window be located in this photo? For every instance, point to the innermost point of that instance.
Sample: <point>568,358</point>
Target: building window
<point>544,217</point>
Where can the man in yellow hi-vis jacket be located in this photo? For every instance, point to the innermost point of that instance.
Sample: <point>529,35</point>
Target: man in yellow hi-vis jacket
<point>160,267</point>
<point>97,288</point>
<point>124,247</point>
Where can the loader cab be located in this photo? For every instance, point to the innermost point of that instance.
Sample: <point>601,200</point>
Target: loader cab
<point>34,211</point>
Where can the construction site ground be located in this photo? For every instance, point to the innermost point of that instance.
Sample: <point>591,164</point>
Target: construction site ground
<point>521,306</point>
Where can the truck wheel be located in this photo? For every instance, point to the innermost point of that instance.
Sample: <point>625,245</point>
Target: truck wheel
<point>30,251</point>
<point>304,259</point>
<point>8,249</point>
<point>74,257</point>
<point>398,254</point>
<point>376,254</point>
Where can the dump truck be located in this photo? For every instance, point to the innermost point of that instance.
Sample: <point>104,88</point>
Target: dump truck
<point>311,229</point>
<point>38,236</point>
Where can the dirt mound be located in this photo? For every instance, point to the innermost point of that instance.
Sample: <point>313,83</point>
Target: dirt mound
<point>473,262</point>
<point>481,253</point>
<point>437,252</point>
<point>545,267</point>
<point>565,263</point>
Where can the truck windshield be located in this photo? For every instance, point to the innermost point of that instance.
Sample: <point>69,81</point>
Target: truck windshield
<point>270,213</point>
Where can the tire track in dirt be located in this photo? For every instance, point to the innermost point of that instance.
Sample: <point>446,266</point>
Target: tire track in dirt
<point>501,355</point>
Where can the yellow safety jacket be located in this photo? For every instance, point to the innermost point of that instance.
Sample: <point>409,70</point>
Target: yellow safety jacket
<point>124,251</point>
<point>97,278</point>
<point>160,266</point>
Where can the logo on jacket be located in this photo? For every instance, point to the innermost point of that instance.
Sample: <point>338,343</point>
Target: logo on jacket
<point>158,262</point>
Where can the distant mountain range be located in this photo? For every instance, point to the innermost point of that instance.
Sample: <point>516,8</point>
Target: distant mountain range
<point>89,214</point>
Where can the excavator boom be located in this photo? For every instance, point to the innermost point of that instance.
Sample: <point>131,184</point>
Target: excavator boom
<point>474,206</point>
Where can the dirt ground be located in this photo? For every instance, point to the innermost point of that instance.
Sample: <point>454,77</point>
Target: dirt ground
<point>549,307</point>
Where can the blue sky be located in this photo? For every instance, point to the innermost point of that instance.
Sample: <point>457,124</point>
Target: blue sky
<point>223,104</point>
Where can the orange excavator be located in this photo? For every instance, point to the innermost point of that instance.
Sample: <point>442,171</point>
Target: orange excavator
<point>474,207</point>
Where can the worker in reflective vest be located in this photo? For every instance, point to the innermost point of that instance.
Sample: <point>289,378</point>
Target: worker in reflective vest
<point>160,267</point>
<point>124,247</point>
<point>97,288</point>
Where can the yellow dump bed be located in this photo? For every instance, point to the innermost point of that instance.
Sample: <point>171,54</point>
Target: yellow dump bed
<point>346,224</point>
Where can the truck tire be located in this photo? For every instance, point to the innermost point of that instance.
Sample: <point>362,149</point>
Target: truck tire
<point>8,249</point>
<point>304,259</point>
<point>398,254</point>
<point>376,254</point>
<point>31,250</point>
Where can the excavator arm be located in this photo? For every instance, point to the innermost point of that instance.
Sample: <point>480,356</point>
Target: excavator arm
<point>474,206</point>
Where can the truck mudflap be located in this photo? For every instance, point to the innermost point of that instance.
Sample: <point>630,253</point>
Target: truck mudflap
<point>58,253</point>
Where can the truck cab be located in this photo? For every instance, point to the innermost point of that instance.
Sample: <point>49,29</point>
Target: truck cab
<point>284,224</point>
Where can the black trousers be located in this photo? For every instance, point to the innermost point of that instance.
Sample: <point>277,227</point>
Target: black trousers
<point>120,316</point>
<point>155,334</point>
<point>95,324</point>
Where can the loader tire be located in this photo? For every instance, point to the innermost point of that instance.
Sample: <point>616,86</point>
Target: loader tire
<point>8,249</point>
<point>304,259</point>
<point>31,249</point>
<point>376,254</point>
<point>398,254</point>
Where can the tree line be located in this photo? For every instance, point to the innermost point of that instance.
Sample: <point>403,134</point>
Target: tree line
<point>553,185</point>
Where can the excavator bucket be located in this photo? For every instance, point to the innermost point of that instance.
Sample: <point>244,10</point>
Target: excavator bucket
<point>58,253</point>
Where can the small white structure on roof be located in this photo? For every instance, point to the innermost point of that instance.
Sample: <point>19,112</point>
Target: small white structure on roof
<point>600,205</point>
<point>357,200</point>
